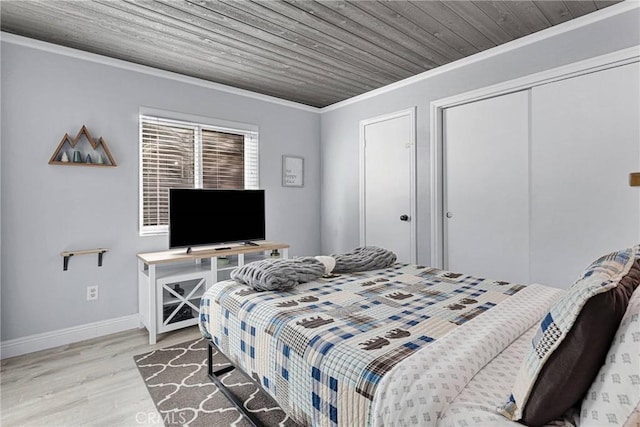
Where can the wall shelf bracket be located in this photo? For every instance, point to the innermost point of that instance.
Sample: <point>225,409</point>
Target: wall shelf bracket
<point>69,254</point>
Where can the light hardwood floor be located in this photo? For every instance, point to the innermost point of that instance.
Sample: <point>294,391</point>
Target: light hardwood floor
<point>90,383</point>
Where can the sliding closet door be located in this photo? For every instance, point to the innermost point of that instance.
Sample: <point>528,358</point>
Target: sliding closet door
<point>486,188</point>
<point>585,141</point>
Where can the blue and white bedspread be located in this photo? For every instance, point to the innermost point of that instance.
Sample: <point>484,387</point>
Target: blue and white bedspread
<point>385,347</point>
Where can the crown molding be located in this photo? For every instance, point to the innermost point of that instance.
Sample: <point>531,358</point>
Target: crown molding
<point>573,24</point>
<point>144,69</point>
<point>547,33</point>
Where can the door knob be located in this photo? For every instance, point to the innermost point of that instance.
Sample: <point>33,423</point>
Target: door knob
<point>449,215</point>
<point>404,218</point>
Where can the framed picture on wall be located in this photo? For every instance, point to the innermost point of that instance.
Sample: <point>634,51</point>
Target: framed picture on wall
<point>292,171</point>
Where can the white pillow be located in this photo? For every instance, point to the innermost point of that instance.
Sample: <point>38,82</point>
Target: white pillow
<point>614,396</point>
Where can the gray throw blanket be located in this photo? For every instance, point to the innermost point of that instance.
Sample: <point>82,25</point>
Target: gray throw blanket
<point>365,258</point>
<point>272,274</point>
<point>282,274</point>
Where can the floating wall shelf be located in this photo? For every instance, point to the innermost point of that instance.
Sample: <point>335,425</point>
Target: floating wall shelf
<point>77,152</point>
<point>634,179</point>
<point>68,254</point>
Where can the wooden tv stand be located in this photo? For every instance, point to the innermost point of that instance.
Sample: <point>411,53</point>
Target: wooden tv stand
<point>170,283</point>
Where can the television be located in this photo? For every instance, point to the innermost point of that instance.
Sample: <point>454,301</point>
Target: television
<point>200,217</point>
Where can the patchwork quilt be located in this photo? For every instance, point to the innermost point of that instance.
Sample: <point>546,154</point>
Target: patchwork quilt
<point>427,386</point>
<point>323,348</point>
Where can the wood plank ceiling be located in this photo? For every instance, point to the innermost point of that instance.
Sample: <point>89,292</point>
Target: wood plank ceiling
<point>313,52</point>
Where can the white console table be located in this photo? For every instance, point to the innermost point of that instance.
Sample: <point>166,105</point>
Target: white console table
<point>170,283</point>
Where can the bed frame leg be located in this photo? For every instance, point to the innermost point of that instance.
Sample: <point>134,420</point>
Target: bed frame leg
<point>214,376</point>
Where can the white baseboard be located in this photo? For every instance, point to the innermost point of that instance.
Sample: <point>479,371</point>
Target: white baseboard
<point>46,340</point>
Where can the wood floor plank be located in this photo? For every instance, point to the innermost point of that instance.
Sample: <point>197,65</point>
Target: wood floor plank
<point>90,383</point>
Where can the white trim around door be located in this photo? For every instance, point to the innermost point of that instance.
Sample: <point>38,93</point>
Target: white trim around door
<point>611,60</point>
<point>411,112</point>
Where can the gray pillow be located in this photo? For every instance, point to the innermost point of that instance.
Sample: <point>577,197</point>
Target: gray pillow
<point>278,274</point>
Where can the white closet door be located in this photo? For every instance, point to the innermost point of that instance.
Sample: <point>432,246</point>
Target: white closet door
<point>486,194</point>
<point>585,141</point>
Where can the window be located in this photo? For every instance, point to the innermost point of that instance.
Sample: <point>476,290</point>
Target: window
<point>184,154</point>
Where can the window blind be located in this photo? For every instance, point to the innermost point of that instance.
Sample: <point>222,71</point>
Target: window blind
<point>179,154</point>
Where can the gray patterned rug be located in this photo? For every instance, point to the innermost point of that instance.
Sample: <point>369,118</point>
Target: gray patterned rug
<point>177,380</point>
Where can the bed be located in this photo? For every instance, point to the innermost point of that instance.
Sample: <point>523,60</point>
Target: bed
<point>404,345</point>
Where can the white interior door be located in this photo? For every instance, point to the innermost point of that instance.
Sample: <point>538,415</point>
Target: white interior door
<point>486,188</point>
<point>387,184</point>
<point>586,141</point>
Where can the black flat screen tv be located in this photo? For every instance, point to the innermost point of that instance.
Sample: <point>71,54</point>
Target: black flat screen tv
<point>212,217</point>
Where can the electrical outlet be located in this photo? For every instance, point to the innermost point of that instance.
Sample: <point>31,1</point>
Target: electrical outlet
<point>92,293</point>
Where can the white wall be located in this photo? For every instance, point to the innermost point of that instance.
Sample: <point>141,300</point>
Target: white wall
<point>47,209</point>
<point>339,126</point>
